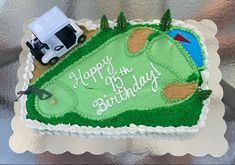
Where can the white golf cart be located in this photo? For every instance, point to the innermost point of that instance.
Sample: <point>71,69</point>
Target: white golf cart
<point>54,35</point>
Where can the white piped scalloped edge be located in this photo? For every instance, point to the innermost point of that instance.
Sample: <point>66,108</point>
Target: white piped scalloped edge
<point>159,132</point>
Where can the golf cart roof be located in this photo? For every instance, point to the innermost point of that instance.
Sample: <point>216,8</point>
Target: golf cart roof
<point>48,24</point>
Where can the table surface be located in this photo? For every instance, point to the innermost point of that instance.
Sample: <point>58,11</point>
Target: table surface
<point>9,65</point>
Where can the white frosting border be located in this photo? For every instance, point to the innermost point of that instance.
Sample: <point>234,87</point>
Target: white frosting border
<point>158,132</point>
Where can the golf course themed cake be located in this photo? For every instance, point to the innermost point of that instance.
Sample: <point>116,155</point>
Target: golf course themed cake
<point>117,79</point>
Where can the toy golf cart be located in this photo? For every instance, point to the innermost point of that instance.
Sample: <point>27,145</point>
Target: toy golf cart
<point>54,35</point>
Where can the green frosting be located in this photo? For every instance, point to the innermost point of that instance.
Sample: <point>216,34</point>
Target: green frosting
<point>168,53</point>
<point>66,100</point>
<point>185,113</point>
<point>78,84</point>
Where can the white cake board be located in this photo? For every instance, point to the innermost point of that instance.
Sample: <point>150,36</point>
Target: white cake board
<point>210,140</point>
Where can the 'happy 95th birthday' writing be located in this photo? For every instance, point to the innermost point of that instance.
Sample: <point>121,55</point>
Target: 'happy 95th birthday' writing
<point>113,77</point>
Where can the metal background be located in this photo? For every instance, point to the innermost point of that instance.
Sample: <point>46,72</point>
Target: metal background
<point>13,13</point>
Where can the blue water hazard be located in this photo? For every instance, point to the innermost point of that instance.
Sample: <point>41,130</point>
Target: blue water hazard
<point>193,48</point>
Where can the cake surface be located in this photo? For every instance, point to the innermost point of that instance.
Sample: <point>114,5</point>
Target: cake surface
<point>133,74</point>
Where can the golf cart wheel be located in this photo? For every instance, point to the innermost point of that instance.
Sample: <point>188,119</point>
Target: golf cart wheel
<point>54,60</point>
<point>82,38</point>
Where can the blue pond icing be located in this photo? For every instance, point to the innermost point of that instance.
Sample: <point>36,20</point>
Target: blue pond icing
<point>193,48</point>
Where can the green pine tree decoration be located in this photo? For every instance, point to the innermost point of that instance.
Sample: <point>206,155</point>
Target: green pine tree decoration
<point>204,94</point>
<point>104,24</point>
<point>121,22</point>
<point>165,23</point>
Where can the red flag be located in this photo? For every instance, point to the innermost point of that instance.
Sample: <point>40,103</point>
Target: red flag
<point>179,37</point>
